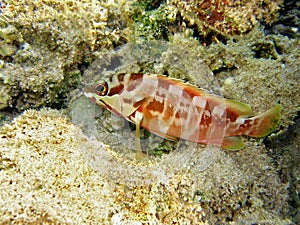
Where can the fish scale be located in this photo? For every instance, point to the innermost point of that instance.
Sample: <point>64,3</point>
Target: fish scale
<point>173,109</point>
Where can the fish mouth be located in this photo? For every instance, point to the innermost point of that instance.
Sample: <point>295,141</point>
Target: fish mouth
<point>88,92</point>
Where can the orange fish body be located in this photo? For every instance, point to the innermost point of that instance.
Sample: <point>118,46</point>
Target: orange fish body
<point>173,109</point>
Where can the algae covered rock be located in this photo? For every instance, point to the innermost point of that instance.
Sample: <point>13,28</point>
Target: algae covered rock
<point>205,19</point>
<point>227,17</point>
<point>43,178</point>
<point>44,44</point>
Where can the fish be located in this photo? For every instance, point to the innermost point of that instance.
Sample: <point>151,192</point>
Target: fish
<point>173,109</point>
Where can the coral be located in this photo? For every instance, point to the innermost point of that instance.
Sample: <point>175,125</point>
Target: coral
<point>51,172</point>
<point>43,176</point>
<point>218,19</point>
<point>227,17</point>
<point>44,43</point>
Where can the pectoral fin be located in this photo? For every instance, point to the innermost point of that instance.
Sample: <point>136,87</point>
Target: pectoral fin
<point>138,120</point>
<point>138,148</point>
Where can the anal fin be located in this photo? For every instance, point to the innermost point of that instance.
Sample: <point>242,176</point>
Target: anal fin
<point>233,143</point>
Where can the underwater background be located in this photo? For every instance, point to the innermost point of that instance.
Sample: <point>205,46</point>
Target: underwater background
<point>64,160</point>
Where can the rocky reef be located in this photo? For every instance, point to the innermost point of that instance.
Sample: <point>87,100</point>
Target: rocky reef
<point>44,44</point>
<point>75,164</point>
<point>207,19</point>
<point>227,17</point>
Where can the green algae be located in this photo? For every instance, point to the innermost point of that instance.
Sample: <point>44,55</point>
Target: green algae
<point>153,22</point>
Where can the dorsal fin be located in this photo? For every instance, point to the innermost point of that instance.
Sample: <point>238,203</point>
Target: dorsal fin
<point>234,106</point>
<point>237,107</point>
<point>186,86</point>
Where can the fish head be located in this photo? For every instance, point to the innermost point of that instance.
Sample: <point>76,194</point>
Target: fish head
<point>103,94</point>
<point>112,94</point>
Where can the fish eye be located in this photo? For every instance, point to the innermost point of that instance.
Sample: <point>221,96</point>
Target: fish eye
<point>101,89</point>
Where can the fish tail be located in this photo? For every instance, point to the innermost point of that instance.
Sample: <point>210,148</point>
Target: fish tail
<point>263,124</point>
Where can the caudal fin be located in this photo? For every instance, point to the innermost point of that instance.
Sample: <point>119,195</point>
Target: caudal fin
<point>265,123</point>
